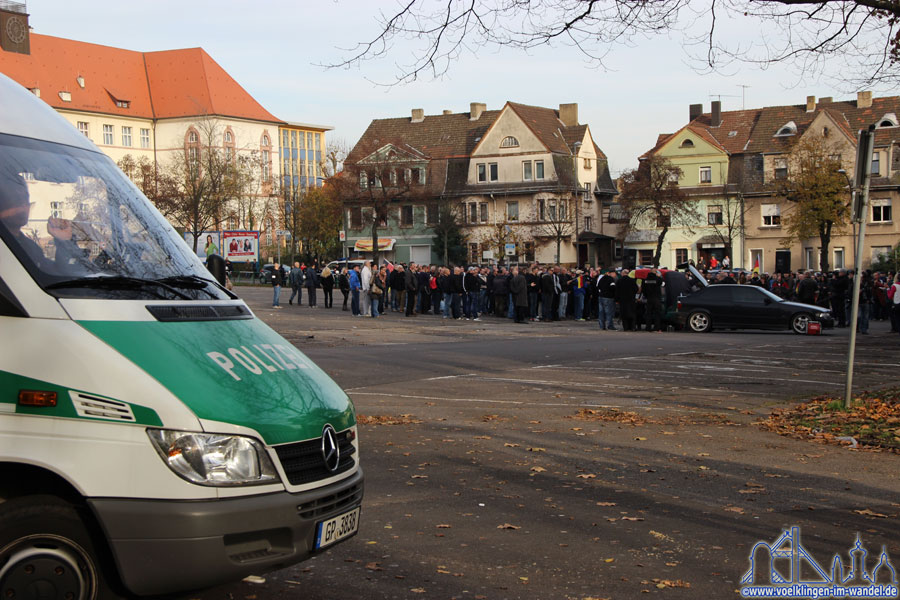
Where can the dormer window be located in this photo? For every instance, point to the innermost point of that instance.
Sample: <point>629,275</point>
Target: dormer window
<point>65,96</point>
<point>688,143</point>
<point>789,128</point>
<point>509,142</point>
<point>888,120</point>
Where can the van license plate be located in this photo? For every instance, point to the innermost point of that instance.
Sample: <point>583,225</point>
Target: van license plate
<point>334,530</point>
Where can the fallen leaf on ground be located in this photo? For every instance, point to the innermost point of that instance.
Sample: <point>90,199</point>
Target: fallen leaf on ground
<point>508,526</point>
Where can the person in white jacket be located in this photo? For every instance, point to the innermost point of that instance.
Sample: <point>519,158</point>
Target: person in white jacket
<point>365,280</point>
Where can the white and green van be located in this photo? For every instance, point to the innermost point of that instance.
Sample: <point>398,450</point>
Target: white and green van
<point>155,436</point>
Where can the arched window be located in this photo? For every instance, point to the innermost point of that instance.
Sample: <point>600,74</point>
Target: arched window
<point>789,128</point>
<point>229,138</point>
<point>509,142</point>
<point>688,143</point>
<point>265,140</point>
<point>193,138</point>
<point>888,120</point>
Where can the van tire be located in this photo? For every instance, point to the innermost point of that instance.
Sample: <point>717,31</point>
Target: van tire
<point>699,322</point>
<point>44,542</point>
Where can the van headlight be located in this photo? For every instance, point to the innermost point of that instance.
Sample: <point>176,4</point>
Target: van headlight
<point>214,459</point>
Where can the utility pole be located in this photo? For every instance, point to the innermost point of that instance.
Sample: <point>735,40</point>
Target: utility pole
<point>863,175</point>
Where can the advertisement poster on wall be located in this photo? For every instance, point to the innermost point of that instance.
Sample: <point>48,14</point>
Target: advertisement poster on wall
<point>240,246</point>
<point>208,243</point>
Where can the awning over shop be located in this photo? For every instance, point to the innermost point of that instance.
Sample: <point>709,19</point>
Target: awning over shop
<point>710,241</point>
<point>383,244</point>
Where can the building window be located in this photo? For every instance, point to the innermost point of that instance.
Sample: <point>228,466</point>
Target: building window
<point>705,174</point>
<point>589,223</point>
<point>551,210</point>
<point>472,213</point>
<point>526,171</point>
<point>84,128</point>
<point>145,138</point>
<point>265,164</point>
<point>771,215</point>
<point>192,137</point>
<point>538,169</point>
<point>587,163</point>
<point>431,214</point>
<point>56,209</point>
<point>512,211</point>
<point>509,142</point>
<point>474,256</point>
<point>688,143</point>
<point>406,215</point>
<point>318,137</point>
<point>493,172</point>
<point>781,166</point>
<point>714,215</point>
<point>681,256</point>
<point>363,180</point>
<point>483,212</point>
<point>482,172</point>
<point>663,220</point>
<point>838,258</point>
<point>354,215</point>
<point>881,210</point>
<point>645,257</point>
<point>541,210</point>
<point>529,251</point>
<point>810,259</point>
<point>876,163</point>
<point>108,135</point>
<point>126,136</point>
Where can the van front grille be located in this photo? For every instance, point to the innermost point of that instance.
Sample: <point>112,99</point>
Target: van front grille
<point>303,461</point>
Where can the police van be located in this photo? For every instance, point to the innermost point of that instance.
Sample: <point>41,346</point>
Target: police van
<point>155,436</point>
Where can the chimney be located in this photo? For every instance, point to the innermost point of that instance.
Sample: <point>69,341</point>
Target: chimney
<point>715,117</point>
<point>448,111</point>
<point>418,115</point>
<point>825,100</point>
<point>568,114</point>
<point>475,110</point>
<point>695,111</point>
<point>15,34</point>
<point>810,104</point>
<point>863,99</point>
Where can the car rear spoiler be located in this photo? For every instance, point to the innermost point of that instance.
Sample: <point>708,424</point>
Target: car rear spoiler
<point>693,271</point>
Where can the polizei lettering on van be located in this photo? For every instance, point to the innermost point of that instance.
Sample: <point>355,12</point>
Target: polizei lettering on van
<point>259,359</point>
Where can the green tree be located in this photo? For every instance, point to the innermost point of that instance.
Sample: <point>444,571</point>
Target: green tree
<point>817,190</point>
<point>448,236</point>
<point>320,222</point>
<point>652,199</point>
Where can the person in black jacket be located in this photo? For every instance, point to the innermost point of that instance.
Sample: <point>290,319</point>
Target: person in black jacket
<point>518,287</point>
<point>424,302</point>
<point>472,283</point>
<point>327,279</point>
<point>312,282</point>
<point>501,293</point>
<point>277,280</point>
<point>606,289</point>
<point>652,290</point>
<point>549,295</point>
<point>344,285</point>
<point>807,289</point>
<point>412,287</point>
<point>839,288</point>
<point>626,294</point>
<point>456,290</point>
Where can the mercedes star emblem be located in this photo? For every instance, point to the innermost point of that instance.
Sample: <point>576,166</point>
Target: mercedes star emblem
<point>331,453</point>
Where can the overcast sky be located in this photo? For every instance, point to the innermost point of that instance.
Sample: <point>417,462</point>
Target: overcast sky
<point>272,47</point>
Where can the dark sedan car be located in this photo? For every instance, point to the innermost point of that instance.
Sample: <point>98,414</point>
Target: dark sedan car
<point>746,307</point>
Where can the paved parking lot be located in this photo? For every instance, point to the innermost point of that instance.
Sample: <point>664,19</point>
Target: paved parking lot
<point>560,461</point>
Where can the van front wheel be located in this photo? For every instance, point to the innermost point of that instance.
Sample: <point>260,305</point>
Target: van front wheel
<point>47,553</point>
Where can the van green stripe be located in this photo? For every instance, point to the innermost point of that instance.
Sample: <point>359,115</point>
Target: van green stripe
<point>283,404</point>
<point>11,384</point>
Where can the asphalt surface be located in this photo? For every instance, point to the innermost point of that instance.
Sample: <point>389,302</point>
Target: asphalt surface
<point>555,460</point>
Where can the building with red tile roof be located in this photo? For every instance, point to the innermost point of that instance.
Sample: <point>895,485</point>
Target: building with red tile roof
<point>522,175</point>
<point>148,106</point>
<point>732,161</point>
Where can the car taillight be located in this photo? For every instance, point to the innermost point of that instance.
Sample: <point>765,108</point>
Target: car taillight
<point>679,305</point>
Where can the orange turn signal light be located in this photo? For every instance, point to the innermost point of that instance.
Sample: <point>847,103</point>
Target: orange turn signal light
<point>37,398</point>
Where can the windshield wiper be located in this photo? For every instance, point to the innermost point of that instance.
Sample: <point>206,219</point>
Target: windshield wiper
<point>191,282</point>
<point>118,283</point>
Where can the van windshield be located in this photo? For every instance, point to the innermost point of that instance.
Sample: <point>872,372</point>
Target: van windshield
<point>82,229</point>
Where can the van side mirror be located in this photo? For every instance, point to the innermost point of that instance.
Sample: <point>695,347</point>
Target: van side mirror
<point>216,266</point>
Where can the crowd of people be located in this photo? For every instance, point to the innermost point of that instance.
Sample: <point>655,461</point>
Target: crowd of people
<point>546,293</point>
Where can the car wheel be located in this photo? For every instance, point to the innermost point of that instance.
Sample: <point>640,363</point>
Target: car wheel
<point>699,322</point>
<point>800,322</point>
<point>45,546</point>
